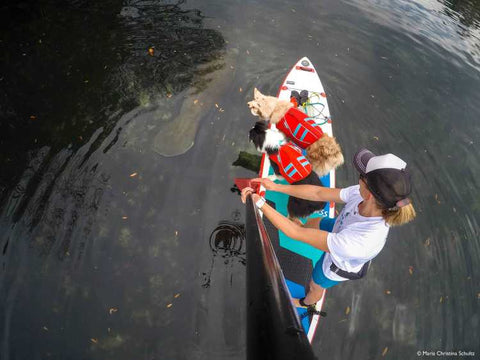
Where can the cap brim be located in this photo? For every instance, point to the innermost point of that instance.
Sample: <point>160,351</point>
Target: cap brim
<point>360,160</point>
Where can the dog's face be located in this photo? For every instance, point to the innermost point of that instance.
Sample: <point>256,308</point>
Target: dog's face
<point>262,105</point>
<point>257,134</point>
<point>266,140</point>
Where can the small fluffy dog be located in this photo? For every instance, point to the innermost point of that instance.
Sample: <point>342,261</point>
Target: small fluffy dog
<point>288,161</point>
<point>323,151</point>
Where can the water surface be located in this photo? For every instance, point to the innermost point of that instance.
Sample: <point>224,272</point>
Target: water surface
<point>106,244</point>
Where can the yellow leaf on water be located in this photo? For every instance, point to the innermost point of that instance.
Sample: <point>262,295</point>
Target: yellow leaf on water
<point>248,52</point>
<point>388,292</point>
<point>124,217</point>
<point>441,299</point>
<point>177,296</point>
<point>216,105</point>
<point>376,138</point>
<point>169,306</point>
<point>94,340</point>
<point>384,352</point>
<point>410,270</point>
<point>195,101</point>
<point>134,174</point>
<point>240,89</point>
<point>112,310</point>
<point>347,310</point>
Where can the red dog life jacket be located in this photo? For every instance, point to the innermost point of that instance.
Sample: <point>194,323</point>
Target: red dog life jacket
<point>302,130</point>
<point>292,164</point>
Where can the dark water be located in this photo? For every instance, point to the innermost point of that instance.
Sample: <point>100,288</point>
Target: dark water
<point>99,263</point>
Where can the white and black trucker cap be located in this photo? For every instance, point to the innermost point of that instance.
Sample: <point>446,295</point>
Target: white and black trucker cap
<point>387,177</point>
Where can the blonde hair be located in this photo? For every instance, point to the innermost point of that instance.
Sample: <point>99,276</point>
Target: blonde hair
<point>398,216</point>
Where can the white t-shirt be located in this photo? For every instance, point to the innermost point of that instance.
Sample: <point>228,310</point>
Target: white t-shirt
<point>355,239</point>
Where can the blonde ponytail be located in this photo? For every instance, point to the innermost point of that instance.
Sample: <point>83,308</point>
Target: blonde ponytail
<point>399,216</point>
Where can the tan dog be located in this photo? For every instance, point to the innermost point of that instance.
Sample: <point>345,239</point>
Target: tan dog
<point>323,151</point>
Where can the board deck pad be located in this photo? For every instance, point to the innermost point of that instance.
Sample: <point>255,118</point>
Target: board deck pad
<point>297,259</point>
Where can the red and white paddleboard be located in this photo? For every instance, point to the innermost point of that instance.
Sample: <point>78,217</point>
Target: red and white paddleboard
<point>303,76</point>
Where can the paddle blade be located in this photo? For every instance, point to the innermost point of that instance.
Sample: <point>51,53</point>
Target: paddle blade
<point>242,183</point>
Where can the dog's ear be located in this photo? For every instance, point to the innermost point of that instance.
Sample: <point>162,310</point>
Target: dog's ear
<point>257,95</point>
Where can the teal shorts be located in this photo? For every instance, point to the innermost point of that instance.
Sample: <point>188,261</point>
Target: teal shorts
<point>318,276</point>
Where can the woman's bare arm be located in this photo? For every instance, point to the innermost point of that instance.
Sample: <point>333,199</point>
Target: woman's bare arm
<point>307,192</point>
<point>314,237</point>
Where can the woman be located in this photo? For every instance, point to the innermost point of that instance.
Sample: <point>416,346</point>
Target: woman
<point>358,234</point>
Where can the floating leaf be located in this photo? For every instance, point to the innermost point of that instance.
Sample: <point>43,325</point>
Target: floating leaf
<point>410,270</point>
<point>32,117</point>
<point>112,310</point>
<point>133,174</point>
<point>388,292</point>
<point>195,101</point>
<point>376,138</point>
<point>124,217</point>
<point>248,52</point>
<point>169,95</point>
<point>95,341</point>
<point>216,105</point>
<point>178,295</point>
<point>45,328</point>
<point>240,89</point>
<point>427,242</point>
<point>384,352</point>
<point>169,306</point>
<point>347,310</point>
<point>151,51</point>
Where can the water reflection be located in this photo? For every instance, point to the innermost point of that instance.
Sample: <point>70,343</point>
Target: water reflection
<point>76,78</point>
<point>466,11</point>
<point>91,74</point>
<point>449,28</point>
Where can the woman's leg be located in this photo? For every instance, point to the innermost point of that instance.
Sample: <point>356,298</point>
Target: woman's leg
<point>314,294</point>
<point>313,223</point>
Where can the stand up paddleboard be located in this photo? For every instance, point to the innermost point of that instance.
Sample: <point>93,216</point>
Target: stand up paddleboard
<point>296,258</point>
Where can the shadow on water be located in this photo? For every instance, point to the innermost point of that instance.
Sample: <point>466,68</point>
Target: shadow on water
<point>70,69</point>
<point>73,75</point>
<point>226,242</point>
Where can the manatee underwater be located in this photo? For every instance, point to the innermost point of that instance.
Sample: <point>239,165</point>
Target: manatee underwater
<point>208,86</point>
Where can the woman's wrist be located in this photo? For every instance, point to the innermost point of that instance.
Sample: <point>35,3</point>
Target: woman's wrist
<point>260,202</point>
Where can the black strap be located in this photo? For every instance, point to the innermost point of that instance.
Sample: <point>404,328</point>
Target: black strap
<point>351,275</point>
